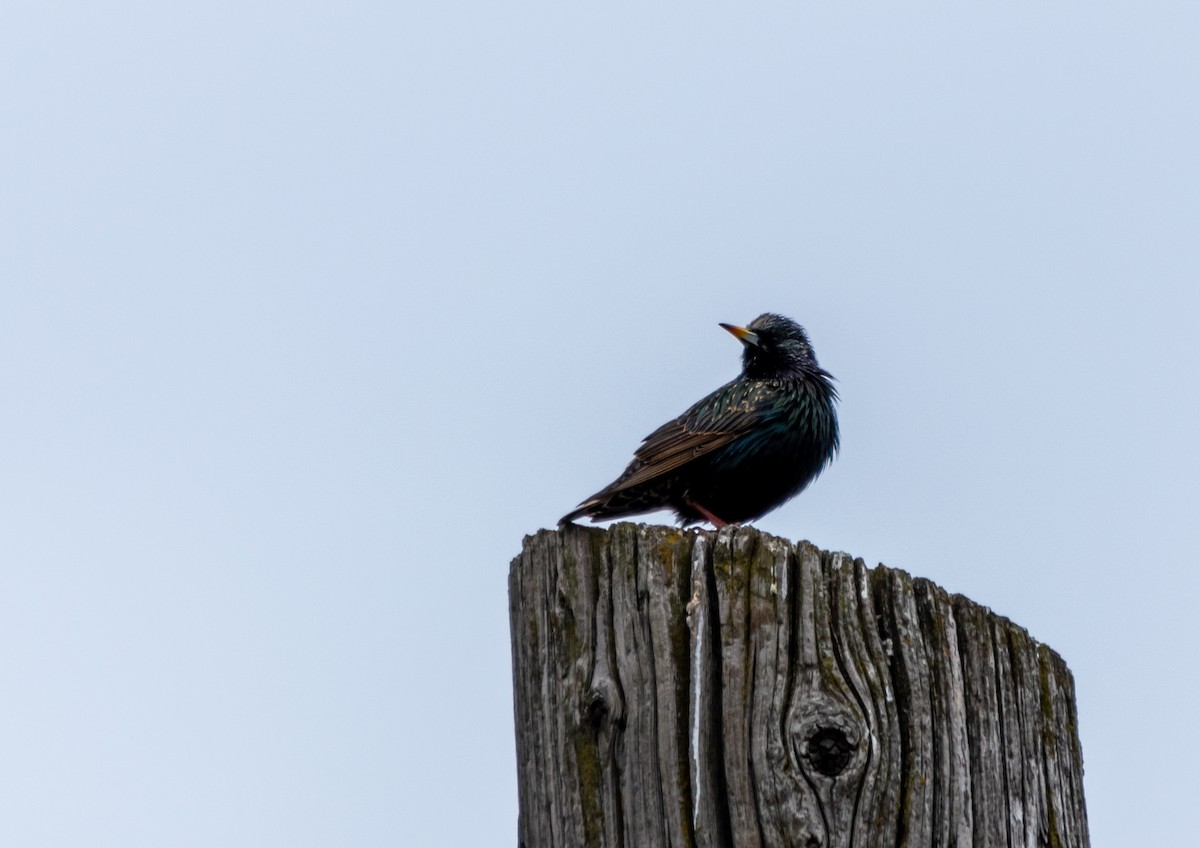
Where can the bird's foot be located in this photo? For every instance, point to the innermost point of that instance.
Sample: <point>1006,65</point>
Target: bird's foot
<point>708,516</point>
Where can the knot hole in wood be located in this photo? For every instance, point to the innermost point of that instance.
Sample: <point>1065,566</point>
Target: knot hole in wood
<point>829,751</point>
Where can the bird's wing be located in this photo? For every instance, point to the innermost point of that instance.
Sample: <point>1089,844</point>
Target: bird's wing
<point>727,414</point>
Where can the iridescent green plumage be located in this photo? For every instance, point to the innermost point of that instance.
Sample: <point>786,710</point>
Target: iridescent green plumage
<point>743,450</point>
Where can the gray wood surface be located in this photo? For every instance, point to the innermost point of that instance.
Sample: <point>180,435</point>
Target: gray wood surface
<point>732,689</point>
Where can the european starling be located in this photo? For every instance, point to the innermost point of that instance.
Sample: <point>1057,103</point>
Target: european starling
<point>743,450</point>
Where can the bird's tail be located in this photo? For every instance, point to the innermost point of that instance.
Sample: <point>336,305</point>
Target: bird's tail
<point>580,511</point>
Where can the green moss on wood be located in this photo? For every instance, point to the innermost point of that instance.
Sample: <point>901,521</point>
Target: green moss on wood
<point>591,783</point>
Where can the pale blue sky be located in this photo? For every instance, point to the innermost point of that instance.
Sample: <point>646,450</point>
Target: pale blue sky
<point>311,312</point>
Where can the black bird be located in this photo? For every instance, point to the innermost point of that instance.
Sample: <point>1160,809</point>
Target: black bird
<point>743,450</point>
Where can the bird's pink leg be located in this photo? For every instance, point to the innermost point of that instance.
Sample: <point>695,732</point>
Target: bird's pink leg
<point>712,519</point>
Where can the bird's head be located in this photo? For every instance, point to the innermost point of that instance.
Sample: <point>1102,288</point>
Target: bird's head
<point>774,346</point>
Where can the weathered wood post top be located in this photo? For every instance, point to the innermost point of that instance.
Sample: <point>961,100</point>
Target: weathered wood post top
<point>734,689</point>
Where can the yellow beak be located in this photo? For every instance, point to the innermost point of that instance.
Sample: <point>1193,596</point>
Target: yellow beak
<point>742,334</point>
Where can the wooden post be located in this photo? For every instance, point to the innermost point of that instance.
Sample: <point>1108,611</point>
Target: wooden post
<point>733,689</point>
